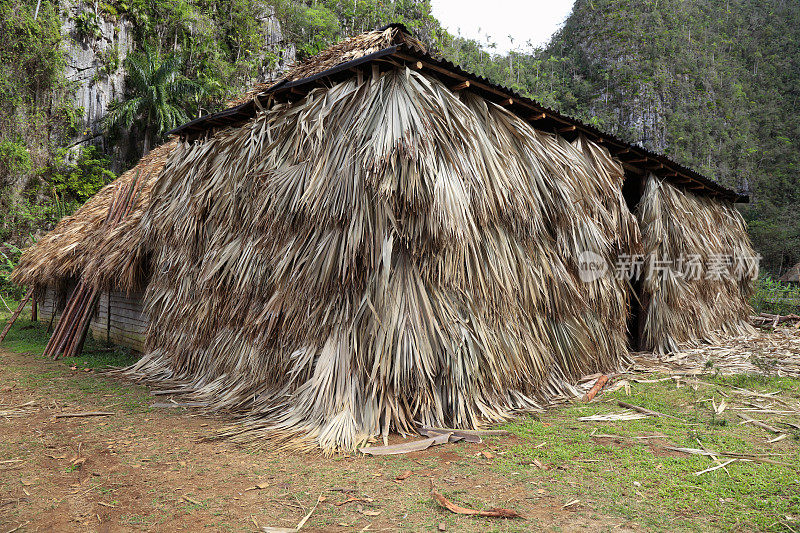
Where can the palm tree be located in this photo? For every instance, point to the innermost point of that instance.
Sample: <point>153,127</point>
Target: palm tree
<point>156,92</point>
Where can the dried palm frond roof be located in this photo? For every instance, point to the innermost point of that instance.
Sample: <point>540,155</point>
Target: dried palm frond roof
<point>350,49</point>
<point>377,254</point>
<point>64,252</point>
<point>394,45</point>
<point>355,47</point>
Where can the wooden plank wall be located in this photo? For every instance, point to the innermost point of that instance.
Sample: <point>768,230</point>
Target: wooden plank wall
<point>53,303</point>
<point>124,325</point>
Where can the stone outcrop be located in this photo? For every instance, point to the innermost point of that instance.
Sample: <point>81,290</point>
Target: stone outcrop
<point>95,64</point>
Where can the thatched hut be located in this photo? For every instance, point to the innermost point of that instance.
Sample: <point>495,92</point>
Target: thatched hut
<point>382,239</point>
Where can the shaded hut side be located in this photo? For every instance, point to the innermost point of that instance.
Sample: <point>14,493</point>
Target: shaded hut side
<point>118,319</point>
<point>380,254</point>
<point>681,231</point>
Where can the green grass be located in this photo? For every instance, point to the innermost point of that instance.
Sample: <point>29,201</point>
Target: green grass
<point>30,338</point>
<point>653,486</point>
<point>27,337</point>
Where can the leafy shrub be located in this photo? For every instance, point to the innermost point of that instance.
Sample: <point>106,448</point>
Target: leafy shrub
<point>87,25</point>
<point>81,180</point>
<point>9,257</point>
<point>14,158</point>
<point>772,296</point>
<point>23,216</point>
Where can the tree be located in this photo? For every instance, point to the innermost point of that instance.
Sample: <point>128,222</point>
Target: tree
<point>156,95</point>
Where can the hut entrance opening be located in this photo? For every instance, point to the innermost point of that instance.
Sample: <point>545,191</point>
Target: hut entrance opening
<point>632,191</point>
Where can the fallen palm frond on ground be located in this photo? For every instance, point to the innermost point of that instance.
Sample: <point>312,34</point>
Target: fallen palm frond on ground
<point>490,513</point>
<point>613,417</point>
<point>14,411</point>
<point>776,353</point>
<point>683,304</point>
<point>744,457</point>
<point>378,254</point>
<point>772,320</point>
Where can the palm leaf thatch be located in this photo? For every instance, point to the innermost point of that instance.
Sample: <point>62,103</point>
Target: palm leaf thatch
<point>685,309</point>
<point>381,254</point>
<point>354,47</point>
<point>66,252</point>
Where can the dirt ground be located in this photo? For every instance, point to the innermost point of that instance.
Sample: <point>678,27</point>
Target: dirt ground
<point>146,468</point>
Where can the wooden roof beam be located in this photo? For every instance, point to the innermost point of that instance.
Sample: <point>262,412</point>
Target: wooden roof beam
<point>435,68</point>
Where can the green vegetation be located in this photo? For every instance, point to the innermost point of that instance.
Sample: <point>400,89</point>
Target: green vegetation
<point>79,181</point>
<point>620,468</point>
<point>9,256</point>
<point>772,296</point>
<point>88,25</point>
<point>156,94</point>
<point>14,158</point>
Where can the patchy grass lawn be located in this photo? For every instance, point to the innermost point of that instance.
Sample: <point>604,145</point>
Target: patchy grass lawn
<point>624,468</point>
<point>147,469</point>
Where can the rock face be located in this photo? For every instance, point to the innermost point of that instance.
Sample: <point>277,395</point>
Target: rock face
<point>95,65</point>
<point>96,49</point>
<point>275,43</point>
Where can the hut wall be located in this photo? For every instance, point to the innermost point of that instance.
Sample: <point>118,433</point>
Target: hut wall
<point>52,303</point>
<point>418,262</point>
<point>119,318</point>
<point>698,268</point>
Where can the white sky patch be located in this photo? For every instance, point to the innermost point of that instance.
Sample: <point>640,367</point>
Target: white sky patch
<point>523,21</point>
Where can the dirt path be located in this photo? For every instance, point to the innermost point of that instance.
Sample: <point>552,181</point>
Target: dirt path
<point>144,468</point>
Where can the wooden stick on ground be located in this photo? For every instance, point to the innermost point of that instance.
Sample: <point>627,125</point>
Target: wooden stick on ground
<point>598,386</point>
<point>492,513</point>
<point>758,423</point>
<point>79,415</point>
<point>647,412</point>
<point>16,314</point>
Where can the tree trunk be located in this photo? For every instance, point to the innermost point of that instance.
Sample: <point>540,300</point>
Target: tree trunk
<point>146,142</point>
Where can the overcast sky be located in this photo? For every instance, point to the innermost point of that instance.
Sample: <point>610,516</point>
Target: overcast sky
<point>534,20</point>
